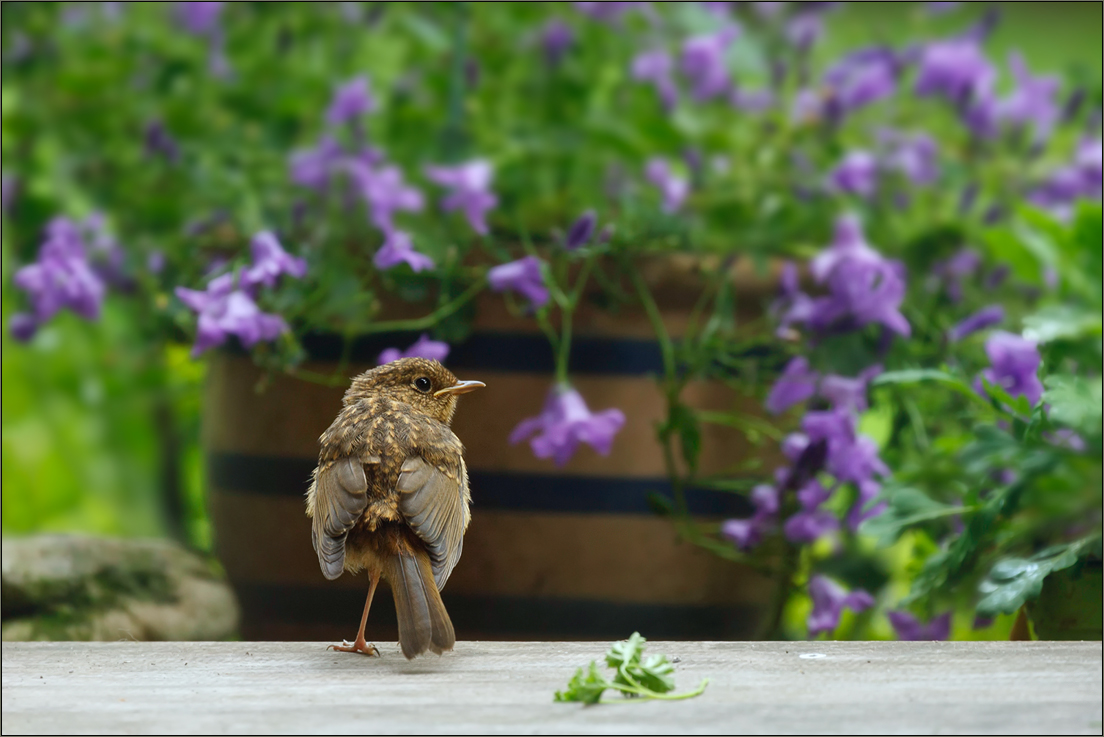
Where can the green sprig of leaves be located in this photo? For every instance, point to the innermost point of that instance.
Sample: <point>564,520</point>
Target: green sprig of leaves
<point>636,677</point>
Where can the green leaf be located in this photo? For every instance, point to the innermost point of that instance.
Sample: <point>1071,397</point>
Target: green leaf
<point>906,507</point>
<point>1074,402</point>
<point>917,376</point>
<point>637,677</point>
<point>1017,405</point>
<point>683,422</point>
<point>877,424</point>
<point>656,673</point>
<point>914,376</point>
<point>1013,581</point>
<point>661,504</point>
<point>586,686</point>
<point>1088,235</point>
<point>626,652</point>
<point>1062,322</point>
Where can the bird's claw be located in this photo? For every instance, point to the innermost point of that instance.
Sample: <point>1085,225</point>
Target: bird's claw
<point>360,646</point>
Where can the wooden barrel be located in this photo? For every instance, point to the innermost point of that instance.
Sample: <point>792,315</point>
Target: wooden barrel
<point>552,553</point>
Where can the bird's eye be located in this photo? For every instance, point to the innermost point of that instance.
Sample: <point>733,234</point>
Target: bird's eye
<point>423,384</point>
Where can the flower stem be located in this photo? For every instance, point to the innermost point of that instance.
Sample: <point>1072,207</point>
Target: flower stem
<point>426,321</point>
<point>645,693</point>
<point>567,315</point>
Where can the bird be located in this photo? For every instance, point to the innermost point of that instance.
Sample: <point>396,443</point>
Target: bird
<point>390,496</point>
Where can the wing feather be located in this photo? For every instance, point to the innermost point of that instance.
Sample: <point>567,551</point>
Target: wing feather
<point>340,495</point>
<point>434,502</point>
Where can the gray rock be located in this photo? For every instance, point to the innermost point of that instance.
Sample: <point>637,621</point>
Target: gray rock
<point>72,587</point>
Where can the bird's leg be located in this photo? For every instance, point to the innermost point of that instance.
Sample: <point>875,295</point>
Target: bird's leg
<point>361,645</point>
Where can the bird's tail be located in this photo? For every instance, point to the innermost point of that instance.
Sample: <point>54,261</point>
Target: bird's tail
<point>423,622</point>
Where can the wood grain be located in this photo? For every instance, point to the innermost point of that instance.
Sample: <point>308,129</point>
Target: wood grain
<point>506,688</point>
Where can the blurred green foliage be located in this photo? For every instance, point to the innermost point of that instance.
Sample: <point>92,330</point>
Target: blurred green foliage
<point>101,422</point>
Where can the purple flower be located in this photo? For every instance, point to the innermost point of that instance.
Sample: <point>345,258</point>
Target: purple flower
<point>792,305</point>
<point>158,142</point>
<point>523,276</point>
<point>956,69</point>
<point>226,310</point>
<point>794,444</point>
<point>199,18</point>
<point>796,384</point>
<point>848,393</point>
<point>155,262</point>
<point>397,248</point>
<point>470,184</point>
<point>848,246</point>
<point>914,156</point>
<point>61,278</point>
<point>350,101</point>
<point>863,287</point>
<point>719,9</point>
<point>745,534</point>
<point>768,11</point>
<point>424,347</point>
<point>857,462</point>
<point>1014,365</point>
<point>856,174</point>
<point>804,29</point>
<point>953,271</point>
<point>556,38</point>
<point>851,457</point>
<point>1065,438</point>
<point>766,500</point>
<point>385,192</point>
<point>860,79</point>
<point>984,318</point>
<point>655,67</point>
<point>269,262</point>
<point>581,231</point>
<point>23,327</point>
<point>703,63</point>
<point>104,252</point>
<point>811,522</point>
<point>1059,191</point>
<point>862,509</point>
<point>808,106</point>
<point>609,12</point>
<point>908,627</point>
<point>313,167</point>
<point>8,187</point>
<point>1033,101</point>
<point>829,600</point>
<point>1067,184</point>
<point>752,101</point>
<point>566,421</point>
<point>673,189</point>
<point>942,7</point>
<point>1089,164</point>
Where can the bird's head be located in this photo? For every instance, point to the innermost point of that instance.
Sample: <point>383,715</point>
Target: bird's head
<point>427,386</point>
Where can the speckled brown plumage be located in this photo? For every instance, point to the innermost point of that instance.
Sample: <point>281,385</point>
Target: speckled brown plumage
<point>390,494</point>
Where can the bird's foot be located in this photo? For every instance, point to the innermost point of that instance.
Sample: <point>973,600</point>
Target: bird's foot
<point>360,646</point>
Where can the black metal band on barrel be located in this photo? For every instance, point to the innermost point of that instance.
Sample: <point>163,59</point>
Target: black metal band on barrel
<point>504,616</point>
<point>515,352</point>
<point>530,492</point>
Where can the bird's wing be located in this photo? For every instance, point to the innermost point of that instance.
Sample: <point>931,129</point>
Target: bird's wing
<point>339,496</point>
<point>434,502</point>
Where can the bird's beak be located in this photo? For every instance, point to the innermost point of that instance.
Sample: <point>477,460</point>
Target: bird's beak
<point>461,388</point>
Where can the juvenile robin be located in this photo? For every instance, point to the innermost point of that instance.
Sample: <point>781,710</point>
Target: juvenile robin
<point>390,496</point>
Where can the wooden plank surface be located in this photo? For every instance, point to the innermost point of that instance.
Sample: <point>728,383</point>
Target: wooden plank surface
<point>506,688</point>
